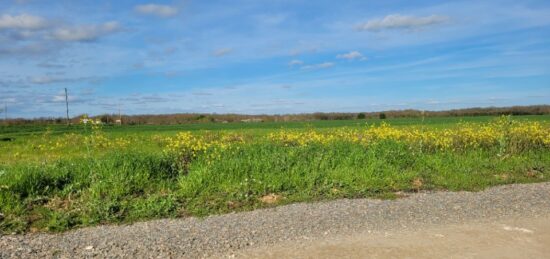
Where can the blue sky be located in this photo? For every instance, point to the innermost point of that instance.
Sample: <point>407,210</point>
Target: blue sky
<point>256,57</point>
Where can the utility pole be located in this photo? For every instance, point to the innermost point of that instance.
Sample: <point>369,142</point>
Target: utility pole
<point>67,105</point>
<point>5,111</point>
<point>119,114</point>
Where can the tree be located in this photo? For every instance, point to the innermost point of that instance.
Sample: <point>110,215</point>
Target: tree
<point>382,116</point>
<point>105,118</point>
<point>361,116</point>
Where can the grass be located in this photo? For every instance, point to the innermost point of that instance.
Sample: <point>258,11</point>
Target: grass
<point>83,183</point>
<point>439,122</point>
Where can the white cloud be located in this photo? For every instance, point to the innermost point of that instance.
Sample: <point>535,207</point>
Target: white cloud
<point>9,100</point>
<point>60,98</point>
<point>157,10</point>
<point>22,22</point>
<point>222,52</point>
<point>42,80</point>
<point>319,66</point>
<point>85,32</point>
<point>397,21</point>
<point>295,62</point>
<point>46,79</point>
<point>352,55</point>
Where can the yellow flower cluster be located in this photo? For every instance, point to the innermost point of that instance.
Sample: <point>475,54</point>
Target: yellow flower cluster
<point>188,145</point>
<point>502,133</point>
<point>96,140</point>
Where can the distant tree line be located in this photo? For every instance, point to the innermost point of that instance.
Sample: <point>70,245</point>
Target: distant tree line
<point>182,118</point>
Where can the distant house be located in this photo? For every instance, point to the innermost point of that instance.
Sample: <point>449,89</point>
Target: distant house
<point>252,120</point>
<point>119,122</point>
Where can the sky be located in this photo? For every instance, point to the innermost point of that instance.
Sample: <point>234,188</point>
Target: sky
<point>271,57</point>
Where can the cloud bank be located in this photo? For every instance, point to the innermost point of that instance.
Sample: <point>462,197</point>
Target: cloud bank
<point>352,55</point>
<point>85,32</point>
<point>22,22</point>
<point>157,10</point>
<point>397,21</point>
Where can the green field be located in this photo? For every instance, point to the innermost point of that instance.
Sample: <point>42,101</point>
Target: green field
<point>151,129</point>
<point>55,177</point>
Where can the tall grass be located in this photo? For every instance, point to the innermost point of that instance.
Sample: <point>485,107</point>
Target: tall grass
<point>137,186</point>
<point>79,192</point>
<point>211,173</point>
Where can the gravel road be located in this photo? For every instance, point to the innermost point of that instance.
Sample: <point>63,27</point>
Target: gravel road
<point>518,238</point>
<point>229,235</point>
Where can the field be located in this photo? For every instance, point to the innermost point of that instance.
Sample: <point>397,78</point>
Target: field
<point>54,178</point>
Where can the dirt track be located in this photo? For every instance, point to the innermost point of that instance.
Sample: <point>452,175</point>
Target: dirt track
<point>507,221</point>
<point>519,238</point>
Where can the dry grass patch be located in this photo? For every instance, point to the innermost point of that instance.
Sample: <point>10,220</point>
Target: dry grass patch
<point>271,198</point>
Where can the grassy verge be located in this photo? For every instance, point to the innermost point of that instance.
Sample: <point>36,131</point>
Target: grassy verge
<point>129,186</point>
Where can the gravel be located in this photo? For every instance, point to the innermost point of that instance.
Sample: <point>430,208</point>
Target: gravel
<point>224,234</point>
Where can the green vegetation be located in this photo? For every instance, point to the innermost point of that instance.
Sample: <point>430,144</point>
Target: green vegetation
<point>30,129</point>
<point>54,178</point>
<point>186,118</point>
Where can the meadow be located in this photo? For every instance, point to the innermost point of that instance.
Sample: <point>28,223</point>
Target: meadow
<point>56,177</point>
